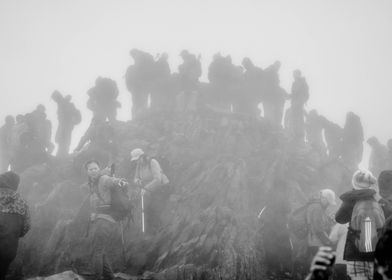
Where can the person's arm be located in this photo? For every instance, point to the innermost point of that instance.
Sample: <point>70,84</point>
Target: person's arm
<point>343,215</point>
<point>85,138</point>
<point>335,233</point>
<point>316,223</point>
<point>26,222</point>
<point>322,263</point>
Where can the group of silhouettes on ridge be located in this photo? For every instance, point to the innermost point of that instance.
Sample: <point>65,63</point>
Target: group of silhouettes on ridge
<point>236,89</point>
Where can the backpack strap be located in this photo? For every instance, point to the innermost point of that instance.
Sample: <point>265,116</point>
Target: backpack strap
<point>94,189</point>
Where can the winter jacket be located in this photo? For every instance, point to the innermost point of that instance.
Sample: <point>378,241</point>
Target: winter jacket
<point>14,222</point>
<point>100,197</point>
<point>151,175</point>
<point>318,225</point>
<point>343,215</point>
<point>386,205</point>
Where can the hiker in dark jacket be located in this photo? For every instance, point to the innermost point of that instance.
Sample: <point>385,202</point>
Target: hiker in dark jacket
<point>385,187</point>
<point>14,219</point>
<point>383,256</point>
<point>362,181</point>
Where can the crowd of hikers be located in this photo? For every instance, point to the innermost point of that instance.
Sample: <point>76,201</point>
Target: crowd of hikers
<point>352,241</point>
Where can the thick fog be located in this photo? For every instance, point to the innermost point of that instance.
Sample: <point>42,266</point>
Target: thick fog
<point>343,48</point>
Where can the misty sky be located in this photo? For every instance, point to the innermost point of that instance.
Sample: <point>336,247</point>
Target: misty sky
<point>344,48</point>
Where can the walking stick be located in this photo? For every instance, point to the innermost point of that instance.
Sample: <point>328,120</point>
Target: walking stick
<point>261,212</point>
<point>142,212</point>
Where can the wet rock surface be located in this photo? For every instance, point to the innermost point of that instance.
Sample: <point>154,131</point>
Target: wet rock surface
<point>221,167</point>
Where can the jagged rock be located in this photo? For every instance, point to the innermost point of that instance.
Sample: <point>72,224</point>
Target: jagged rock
<point>222,167</point>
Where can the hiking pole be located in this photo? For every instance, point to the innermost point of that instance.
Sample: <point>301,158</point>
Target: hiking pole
<point>291,242</point>
<point>122,241</point>
<point>142,212</point>
<point>261,212</point>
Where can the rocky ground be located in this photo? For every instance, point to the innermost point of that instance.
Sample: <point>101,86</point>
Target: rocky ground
<point>221,167</point>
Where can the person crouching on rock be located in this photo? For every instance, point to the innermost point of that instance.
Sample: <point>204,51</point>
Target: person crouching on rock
<point>14,219</point>
<point>154,188</point>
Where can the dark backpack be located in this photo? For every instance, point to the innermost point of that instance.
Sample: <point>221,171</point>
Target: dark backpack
<point>120,205</point>
<point>298,222</point>
<point>367,221</point>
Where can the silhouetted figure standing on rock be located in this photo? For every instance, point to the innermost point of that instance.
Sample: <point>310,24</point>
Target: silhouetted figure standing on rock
<point>299,90</point>
<point>352,145</point>
<point>378,156</point>
<point>274,97</point>
<point>295,115</point>
<point>389,155</point>
<point>42,128</point>
<point>217,76</point>
<point>161,93</point>
<point>314,132</point>
<point>68,116</point>
<point>14,219</point>
<point>139,80</point>
<point>98,142</point>
<point>31,140</point>
<point>251,92</point>
<point>5,143</point>
<point>103,99</point>
<point>333,134</point>
<point>189,73</point>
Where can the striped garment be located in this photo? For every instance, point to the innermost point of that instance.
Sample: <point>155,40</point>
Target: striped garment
<point>360,270</point>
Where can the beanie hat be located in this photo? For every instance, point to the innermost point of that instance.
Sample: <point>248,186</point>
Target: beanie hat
<point>363,179</point>
<point>329,195</point>
<point>385,183</point>
<point>136,153</point>
<point>9,180</point>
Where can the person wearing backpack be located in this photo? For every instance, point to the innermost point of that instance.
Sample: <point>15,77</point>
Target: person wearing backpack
<point>385,187</point>
<point>318,221</point>
<point>310,226</point>
<point>366,218</point>
<point>154,188</point>
<point>103,228</point>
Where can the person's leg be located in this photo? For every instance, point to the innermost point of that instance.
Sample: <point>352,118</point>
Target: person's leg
<point>97,266</point>
<point>4,265</point>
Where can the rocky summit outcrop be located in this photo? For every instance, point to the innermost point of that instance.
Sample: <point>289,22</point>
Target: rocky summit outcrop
<point>221,167</point>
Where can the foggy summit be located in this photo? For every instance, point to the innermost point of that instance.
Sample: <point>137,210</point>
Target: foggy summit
<point>233,178</point>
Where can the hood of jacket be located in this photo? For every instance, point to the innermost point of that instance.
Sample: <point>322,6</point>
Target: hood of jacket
<point>11,202</point>
<point>357,195</point>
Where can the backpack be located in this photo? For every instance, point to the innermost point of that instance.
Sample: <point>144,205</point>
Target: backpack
<point>120,204</point>
<point>364,230</point>
<point>298,222</point>
<point>165,166</point>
